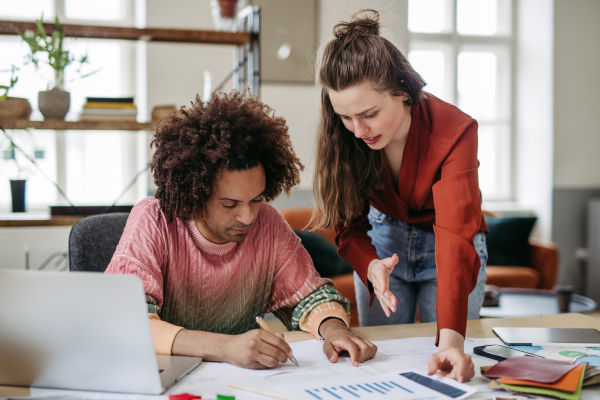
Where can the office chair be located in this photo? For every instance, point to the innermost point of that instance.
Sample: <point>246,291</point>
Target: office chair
<point>93,241</point>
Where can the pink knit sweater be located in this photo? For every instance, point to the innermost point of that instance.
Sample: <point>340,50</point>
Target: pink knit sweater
<point>193,283</point>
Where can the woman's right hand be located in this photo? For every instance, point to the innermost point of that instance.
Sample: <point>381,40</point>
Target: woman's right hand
<point>379,275</point>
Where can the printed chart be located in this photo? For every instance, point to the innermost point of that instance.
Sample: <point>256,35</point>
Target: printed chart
<point>409,385</point>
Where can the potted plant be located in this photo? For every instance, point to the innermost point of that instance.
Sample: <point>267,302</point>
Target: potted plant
<point>224,13</point>
<point>19,152</point>
<point>53,103</point>
<point>13,107</point>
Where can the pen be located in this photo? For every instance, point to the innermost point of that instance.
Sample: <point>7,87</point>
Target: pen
<point>263,325</point>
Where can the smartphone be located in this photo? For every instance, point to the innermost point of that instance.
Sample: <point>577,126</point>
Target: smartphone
<point>500,353</point>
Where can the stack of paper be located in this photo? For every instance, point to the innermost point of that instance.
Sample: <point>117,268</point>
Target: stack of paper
<point>532,375</point>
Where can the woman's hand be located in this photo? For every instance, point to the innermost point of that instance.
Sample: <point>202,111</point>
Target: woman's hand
<point>379,275</point>
<point>451,360</point>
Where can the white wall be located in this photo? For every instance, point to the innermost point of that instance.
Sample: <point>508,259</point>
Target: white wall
<point>534,112</point>
<point>41,242</point>
<point>576,131</point>
<point>576,94</point>
<point>175,71</point>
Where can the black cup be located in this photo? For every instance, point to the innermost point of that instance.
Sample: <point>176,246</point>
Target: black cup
<point>563,296</point>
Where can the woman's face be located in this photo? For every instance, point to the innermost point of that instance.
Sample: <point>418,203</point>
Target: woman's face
<point>377,118</point>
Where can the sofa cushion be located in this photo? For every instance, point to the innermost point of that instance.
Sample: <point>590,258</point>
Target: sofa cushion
<point>324,255</point>
<point>513,277</point>
<point>508,240</point>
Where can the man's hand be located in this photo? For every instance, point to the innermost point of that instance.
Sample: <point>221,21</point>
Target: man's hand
<point>255,349</point>
<point>339,338</point>
<point>451,360</point>
<point>379,275</point>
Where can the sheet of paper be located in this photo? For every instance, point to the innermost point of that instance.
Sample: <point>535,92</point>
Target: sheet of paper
<point>409,385</point>
<point>78,394</point>
<point>309,355</point>
<point>211,379</point>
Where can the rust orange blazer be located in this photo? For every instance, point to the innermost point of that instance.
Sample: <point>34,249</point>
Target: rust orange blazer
<point>438,192</point>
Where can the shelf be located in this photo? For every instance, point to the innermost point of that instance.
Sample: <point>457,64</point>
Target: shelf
<point>77,125</point>
<point>148,34</point>
<point>55,220</point>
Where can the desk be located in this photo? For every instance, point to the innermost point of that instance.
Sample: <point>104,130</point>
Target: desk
<point>481,328</point>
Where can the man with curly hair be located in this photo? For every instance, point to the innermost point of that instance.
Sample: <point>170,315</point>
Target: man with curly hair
<point>213,255</point>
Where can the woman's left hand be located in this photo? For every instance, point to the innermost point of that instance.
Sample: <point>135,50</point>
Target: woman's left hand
<point>451,360</point>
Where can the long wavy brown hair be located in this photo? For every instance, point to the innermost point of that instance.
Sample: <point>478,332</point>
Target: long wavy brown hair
<point>233,131</point>
<point>347,171</point>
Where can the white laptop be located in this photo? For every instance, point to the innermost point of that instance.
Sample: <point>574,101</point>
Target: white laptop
<point>83,331</point>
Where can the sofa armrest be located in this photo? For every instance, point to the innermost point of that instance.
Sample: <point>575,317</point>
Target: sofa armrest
<point>544,258</point>
<point>298,219</point>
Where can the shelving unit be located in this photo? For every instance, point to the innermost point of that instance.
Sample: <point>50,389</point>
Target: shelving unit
<point>38,221</point>
<point>246,40</point>
<point>59,125</point>
<point>148,34</point>
<point>246,73</point>
<point>246,59</point>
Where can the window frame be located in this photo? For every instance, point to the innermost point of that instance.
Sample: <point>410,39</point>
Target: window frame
<point>451,43</point>
<point>129,58</point>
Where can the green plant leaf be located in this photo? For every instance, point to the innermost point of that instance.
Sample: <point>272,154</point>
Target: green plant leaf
<point>90,73</point>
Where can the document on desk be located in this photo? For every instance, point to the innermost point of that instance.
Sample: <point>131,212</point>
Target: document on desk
<point>313,361</point>
<point>407,385</point>
<point>392,356</point>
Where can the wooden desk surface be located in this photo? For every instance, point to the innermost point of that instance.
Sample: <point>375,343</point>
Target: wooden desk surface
<point>481,328</point>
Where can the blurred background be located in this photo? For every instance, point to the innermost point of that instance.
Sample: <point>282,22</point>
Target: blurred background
<point>527,70</point>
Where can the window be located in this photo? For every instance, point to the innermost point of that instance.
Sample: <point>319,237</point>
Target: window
<point>93,167</point>
<point>464,51</point>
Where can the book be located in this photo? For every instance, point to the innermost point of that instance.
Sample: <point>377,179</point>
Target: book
<point>109,111</point>
<point>108,105</point>
<point>109,99</point>
<point>105,118</point>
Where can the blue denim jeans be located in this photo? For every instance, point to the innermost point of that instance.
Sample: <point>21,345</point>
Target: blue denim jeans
<point>413,280</point>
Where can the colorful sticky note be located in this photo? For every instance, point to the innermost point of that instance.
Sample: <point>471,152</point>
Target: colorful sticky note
<point>184,396</point>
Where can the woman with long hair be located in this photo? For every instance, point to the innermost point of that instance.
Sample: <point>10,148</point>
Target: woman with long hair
<point>396,175</point>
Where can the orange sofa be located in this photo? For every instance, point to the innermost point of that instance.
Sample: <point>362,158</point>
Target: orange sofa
<point>541,273</point>
<point>298,219</point>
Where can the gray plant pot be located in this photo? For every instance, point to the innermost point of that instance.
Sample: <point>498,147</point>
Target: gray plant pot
<point>54,104</point>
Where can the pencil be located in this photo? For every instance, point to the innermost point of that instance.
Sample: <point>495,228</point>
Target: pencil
<point>263,325</point>
<point>259,391</point>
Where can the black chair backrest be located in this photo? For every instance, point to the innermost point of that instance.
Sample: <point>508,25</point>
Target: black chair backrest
<point>93,241</point>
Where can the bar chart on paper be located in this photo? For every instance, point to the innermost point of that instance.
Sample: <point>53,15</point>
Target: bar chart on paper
<point>407,385</point>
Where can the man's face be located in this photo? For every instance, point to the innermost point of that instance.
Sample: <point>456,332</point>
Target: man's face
<point>233,205</point>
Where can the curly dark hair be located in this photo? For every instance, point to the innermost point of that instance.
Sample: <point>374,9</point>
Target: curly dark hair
<point>233,131</point>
